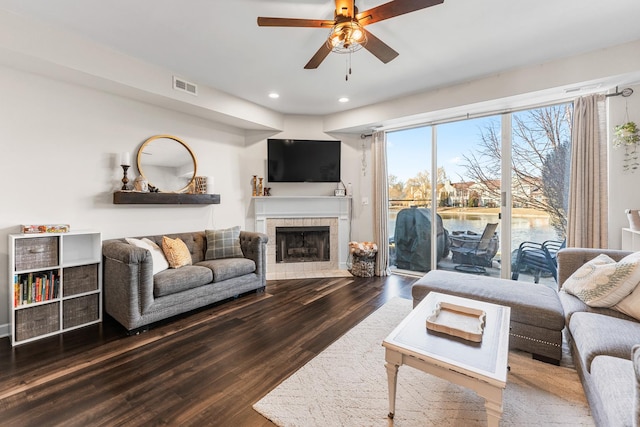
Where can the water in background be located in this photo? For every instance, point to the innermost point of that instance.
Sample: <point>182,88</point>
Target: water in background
<point>523,228</point>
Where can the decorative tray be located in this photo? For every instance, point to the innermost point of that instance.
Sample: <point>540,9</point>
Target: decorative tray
<point>456,320</point>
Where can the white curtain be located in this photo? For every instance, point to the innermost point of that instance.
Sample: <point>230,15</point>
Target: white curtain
<point>588,215</point>
<point>380,201</point>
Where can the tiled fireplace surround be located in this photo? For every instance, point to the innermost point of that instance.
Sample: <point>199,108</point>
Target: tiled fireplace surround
<point>300,211</point>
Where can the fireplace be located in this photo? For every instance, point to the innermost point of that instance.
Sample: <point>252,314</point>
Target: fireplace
<point>302,244</point>
<point>300,212</point>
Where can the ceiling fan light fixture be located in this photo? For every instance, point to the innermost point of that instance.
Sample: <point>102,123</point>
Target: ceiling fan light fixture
<point>347,37</point>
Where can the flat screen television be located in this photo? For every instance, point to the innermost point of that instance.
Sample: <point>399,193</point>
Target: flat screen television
<point>303,160</point>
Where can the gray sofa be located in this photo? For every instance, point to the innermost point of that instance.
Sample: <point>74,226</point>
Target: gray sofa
<point>604,348</point>
<point>136,298</point>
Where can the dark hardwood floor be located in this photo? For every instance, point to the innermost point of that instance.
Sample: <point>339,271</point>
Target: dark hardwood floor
<point>205,368</point>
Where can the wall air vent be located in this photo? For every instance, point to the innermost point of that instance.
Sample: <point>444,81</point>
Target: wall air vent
<point>185,86</point>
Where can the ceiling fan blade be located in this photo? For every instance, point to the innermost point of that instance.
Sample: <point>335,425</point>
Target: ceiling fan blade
<point>315,61</point>
<point>294,22</point>
<point>393,8</point>
<point>379,49</point>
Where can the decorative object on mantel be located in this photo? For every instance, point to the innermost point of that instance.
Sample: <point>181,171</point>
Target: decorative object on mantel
<point>259,189</point>
<point>141,184</point>
<point>44,228</point>
<point>201,185</point>
<point>267,191</point>
<point>633,215</point>
<point>254,180</point>
<point>125,163</point>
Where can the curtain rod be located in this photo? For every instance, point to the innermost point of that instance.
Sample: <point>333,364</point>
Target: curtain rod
<point>626,92</point>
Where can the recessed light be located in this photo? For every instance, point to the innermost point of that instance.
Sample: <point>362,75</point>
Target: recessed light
<point>343,99</point>
<point>274,95</point>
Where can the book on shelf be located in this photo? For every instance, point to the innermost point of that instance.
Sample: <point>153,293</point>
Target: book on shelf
<point>31,288</point>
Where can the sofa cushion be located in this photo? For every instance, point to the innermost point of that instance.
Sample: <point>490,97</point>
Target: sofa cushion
<point>613,382</point>
<point>229,268</point>
<point>172,281</point>
<point>160,262</point>
<point>572,304</point>
<point>223,243</point>
<point>597,334</point>
<point>176,251</point>
<point>602,282</point>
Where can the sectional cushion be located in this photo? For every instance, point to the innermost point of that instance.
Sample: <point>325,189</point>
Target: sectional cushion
<point>223,243</point>
<point>228,268</point>
<point>602,282</point>
<point>615,337</point>
<point>613,383</point>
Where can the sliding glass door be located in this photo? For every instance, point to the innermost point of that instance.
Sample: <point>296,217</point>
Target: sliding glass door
<point>498,185</point>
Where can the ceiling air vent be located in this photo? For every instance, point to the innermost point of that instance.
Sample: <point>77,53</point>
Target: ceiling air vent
<point>185,86</point>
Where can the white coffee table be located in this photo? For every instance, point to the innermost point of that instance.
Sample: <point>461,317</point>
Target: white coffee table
<point>481,367</point>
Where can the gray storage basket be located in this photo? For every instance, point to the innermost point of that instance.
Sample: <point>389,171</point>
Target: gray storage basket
<point>78,280</point>
<point>81,310</point>
<point>35,321</point>
<point>34,253</point>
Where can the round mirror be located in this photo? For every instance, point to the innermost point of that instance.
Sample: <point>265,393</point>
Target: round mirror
<point>167,163</point>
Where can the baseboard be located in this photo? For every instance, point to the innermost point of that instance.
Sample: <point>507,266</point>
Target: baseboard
<point>4,330</point>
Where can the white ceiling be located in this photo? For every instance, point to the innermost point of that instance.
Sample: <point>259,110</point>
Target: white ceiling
<point>218,43</point>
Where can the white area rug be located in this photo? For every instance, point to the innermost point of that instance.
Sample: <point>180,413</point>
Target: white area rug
<point>346,385</point>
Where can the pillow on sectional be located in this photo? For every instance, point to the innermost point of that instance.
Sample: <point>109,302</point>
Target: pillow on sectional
<point>159,261</point>
<point>602,282</point>
<point>223,243</point>
<point>630,305</point>
<point>176,251</point>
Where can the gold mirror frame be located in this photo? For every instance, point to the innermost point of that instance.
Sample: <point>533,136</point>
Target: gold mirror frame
<point>140,162</point>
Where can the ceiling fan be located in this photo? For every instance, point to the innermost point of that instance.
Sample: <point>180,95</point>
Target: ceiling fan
<point>348,33</point>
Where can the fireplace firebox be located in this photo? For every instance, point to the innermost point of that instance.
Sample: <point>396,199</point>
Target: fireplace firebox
<point>302,244</point>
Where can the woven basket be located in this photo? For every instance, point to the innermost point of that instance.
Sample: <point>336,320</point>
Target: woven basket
<point>81,310</point>
<point>77,280</point>
<point>35,321</point>
<point>39,252</point>
<point>363,266</point>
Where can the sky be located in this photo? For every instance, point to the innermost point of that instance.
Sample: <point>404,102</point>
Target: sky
<point>409,151</point>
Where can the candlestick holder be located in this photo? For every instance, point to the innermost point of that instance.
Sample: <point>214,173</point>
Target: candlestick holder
<point>125,179</point>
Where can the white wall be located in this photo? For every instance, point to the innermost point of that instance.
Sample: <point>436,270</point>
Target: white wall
<point>60,163</point>
<point>623,186</point>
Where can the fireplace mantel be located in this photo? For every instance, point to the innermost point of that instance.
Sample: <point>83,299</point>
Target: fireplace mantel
<point>283,207</point>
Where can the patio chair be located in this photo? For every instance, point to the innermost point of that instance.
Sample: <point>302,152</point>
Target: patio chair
<point>538,258</point>
<point>475,251</point>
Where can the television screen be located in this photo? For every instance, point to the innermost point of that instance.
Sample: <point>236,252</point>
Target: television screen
<point>303,160</point>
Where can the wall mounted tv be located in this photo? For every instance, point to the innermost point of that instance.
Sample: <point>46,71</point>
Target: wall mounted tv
<point>303,160</point>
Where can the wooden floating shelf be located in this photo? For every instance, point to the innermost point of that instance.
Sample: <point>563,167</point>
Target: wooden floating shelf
<point>134,198</point>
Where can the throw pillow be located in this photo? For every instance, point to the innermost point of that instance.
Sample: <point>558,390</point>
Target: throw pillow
<point>602,282</point>
<point>223,243</point>
<point>176,252</point>
<point>157,256</point>
<point>630,305</point>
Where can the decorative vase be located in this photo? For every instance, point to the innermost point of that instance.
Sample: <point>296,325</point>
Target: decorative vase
<point>633,215</point>
<point>253,184</point>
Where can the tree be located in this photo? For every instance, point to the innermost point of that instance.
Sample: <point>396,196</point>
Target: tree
<point>540,145</point>
<point>419,186</point>
<point>396,188</point>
